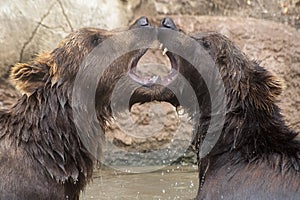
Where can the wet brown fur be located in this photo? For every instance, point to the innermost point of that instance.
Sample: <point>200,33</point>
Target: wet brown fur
<point>257,156</point>
<point>41,153</point>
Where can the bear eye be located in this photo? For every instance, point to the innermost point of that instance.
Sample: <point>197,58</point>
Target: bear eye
<point>206,44</point>
<point>96,39</point>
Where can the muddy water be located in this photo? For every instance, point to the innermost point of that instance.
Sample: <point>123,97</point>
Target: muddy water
<point>173,182</point>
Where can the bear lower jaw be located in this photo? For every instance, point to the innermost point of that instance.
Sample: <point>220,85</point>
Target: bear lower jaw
<point>152,80</point>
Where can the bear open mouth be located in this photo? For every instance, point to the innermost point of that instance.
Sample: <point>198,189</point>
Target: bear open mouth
<point>155,79</point>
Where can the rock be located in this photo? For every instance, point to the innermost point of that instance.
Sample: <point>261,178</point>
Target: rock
<point>29,27</point>
<point>286,12</point>
<point>151,131</point>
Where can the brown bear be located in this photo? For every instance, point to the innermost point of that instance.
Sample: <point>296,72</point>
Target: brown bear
<point>41,153</point>
<point>256,156</point>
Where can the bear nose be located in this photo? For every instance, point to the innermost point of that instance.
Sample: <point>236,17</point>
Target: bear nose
<point>168,23</point>
<point>143,21</point>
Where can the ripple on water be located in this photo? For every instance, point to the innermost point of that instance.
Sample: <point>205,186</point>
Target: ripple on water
<point>173,182</point>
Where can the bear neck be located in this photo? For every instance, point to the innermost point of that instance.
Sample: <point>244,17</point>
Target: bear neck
<point>253,124</point>
<point>255,132</point>
<point>46,130</point>
<point>252,134</point>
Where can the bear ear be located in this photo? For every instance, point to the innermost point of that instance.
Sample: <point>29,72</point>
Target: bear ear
<point>276,85</point>
<point>27,78</point>
<point>267,87</point>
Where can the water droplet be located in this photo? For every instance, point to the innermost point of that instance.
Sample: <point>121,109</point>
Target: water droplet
<point>192,184</point>
<point>180,111</point>
<point>75,180</point>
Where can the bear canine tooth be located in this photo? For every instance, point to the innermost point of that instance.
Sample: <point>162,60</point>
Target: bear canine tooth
<point>164,51</point>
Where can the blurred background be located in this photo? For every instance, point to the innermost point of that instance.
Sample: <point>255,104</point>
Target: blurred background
<point>266,30</point>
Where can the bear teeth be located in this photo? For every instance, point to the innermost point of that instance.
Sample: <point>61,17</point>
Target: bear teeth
<point>164,51</point>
